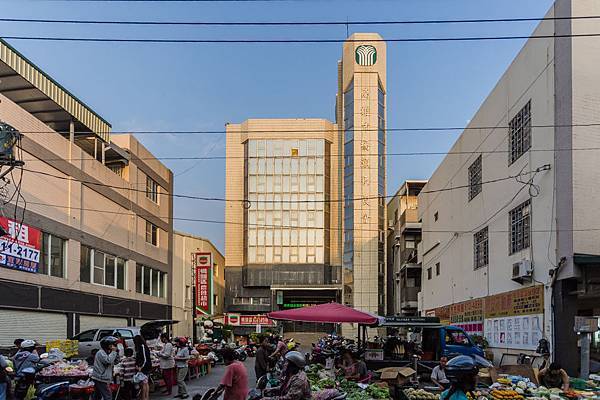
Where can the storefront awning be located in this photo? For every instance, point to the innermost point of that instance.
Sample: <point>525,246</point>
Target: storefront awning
<point>326,313</point>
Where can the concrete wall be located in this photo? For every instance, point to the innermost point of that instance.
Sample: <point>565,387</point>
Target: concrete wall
<point>102,216</point>
<point>184,246</point>
<point>449,240</point>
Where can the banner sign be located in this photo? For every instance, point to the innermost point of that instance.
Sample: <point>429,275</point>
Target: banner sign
<point>204,283</point>
<point>491,313</point>
<point>518,302</point>
<point>20,249</point>
<point>248,320</point>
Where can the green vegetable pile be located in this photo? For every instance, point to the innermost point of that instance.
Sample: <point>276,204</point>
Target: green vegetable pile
<point>319,381</point>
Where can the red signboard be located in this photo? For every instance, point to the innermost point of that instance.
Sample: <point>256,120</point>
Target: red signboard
<point>20,249</point>
<point>248,320</point>
<point>204,283</point>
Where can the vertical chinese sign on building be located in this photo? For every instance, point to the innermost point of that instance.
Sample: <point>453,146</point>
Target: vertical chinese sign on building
<point>20,248</point>
<point>204,283</point>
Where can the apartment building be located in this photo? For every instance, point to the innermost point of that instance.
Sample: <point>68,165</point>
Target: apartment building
<point>92,209</point>
<point>403,236</point>
<point>187,249</point>
<point>295,233</point>
<point>510,240</point>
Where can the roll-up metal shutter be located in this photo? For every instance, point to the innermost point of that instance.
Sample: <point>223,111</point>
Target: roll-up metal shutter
<point>93,321</point>
<point>39,326</point>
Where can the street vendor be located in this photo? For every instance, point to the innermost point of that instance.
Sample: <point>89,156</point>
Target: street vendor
<point>554,377</point>
<point>438,374</point>
<point>354,369</point>
<point>295,382</point>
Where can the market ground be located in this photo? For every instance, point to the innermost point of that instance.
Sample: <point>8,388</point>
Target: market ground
<point>203,383</point>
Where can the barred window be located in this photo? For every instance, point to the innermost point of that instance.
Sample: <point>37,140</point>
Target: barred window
<point>475,178</point>
<point>520,222</point>
<point>481,249</point>
<point>519,134</point>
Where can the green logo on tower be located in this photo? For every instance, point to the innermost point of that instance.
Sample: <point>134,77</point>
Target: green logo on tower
<point>366,55</point>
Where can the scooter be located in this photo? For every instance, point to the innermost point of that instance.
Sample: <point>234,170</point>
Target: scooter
<point>240,353</point>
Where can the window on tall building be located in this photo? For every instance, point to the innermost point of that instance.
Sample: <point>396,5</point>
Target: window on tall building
<point>100,268</point>
<point>429,273</point>
<point>520,223</point>
<point>151,281</point>
<point>436,216</point>
<point>475,178</point>
<point>519,129</point>
<point>437,269</point>
<point>151,189</point>
<point>286,185</point>
<point>151,233</point>
<point>53,256</point>
<point>481,248</point>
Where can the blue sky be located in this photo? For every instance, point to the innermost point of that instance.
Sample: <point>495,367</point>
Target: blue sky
<point>203,86</point>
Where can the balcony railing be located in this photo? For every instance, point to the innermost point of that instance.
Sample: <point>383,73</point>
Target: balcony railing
<point>409,216</point>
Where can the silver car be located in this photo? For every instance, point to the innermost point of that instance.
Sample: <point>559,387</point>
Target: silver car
<point>90,340</point>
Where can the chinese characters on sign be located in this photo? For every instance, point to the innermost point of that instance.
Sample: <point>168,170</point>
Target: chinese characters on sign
<point>248,320</point>
<point>204,283</point>
<point>20,249</point>
<point>508,320</point>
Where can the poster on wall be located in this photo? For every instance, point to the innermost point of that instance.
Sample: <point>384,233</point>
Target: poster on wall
<point>513,320</point>
<point>204,283</point>
<point>516,332</point>
<point>20,248</point>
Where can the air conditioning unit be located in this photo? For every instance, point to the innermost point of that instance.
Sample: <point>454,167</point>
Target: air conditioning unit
<point>522,271</point>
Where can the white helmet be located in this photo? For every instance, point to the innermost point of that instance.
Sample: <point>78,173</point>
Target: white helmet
<point>25,344</point>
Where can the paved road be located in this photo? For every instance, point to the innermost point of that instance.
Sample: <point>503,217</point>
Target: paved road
<point>203,383</point>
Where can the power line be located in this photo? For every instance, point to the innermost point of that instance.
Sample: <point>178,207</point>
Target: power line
<point>247,203</point>
<point>294,23</point>
<point>293,41</point>
<point>403,154</point>
<point>291,131</point>
<point>221,222</point>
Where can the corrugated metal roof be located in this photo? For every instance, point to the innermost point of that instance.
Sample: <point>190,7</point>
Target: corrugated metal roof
<point>57,93</point>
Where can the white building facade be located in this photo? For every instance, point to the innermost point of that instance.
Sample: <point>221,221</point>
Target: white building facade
<point>509,247</point>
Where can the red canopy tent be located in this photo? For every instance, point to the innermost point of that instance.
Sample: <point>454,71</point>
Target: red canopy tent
<point>326,313</point>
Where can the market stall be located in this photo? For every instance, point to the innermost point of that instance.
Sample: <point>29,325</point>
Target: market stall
<point>326,381</point>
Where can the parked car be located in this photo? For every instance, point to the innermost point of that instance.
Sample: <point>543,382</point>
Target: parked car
<point>90,339</point>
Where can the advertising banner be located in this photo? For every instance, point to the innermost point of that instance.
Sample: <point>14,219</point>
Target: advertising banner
<point>518,302</point>
<point>20,249</point>
<point>508,320</point>
<point>204,283</point>
<point>248,320</point>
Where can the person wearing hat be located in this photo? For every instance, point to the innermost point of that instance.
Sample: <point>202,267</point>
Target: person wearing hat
<point>462,372</point>
<point>104,361</point>
<point>295,382</point>
<point>26,357</point>
<point>181,362</point>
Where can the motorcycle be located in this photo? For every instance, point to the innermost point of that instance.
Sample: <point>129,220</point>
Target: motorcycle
<point>251,350</point>
<point>240,353</point>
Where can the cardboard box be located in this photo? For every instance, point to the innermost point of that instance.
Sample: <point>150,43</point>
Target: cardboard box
<point>396,375</point>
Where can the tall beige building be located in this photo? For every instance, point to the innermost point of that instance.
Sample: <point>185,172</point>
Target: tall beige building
<point>362,95</point>
<point>295,233</point>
